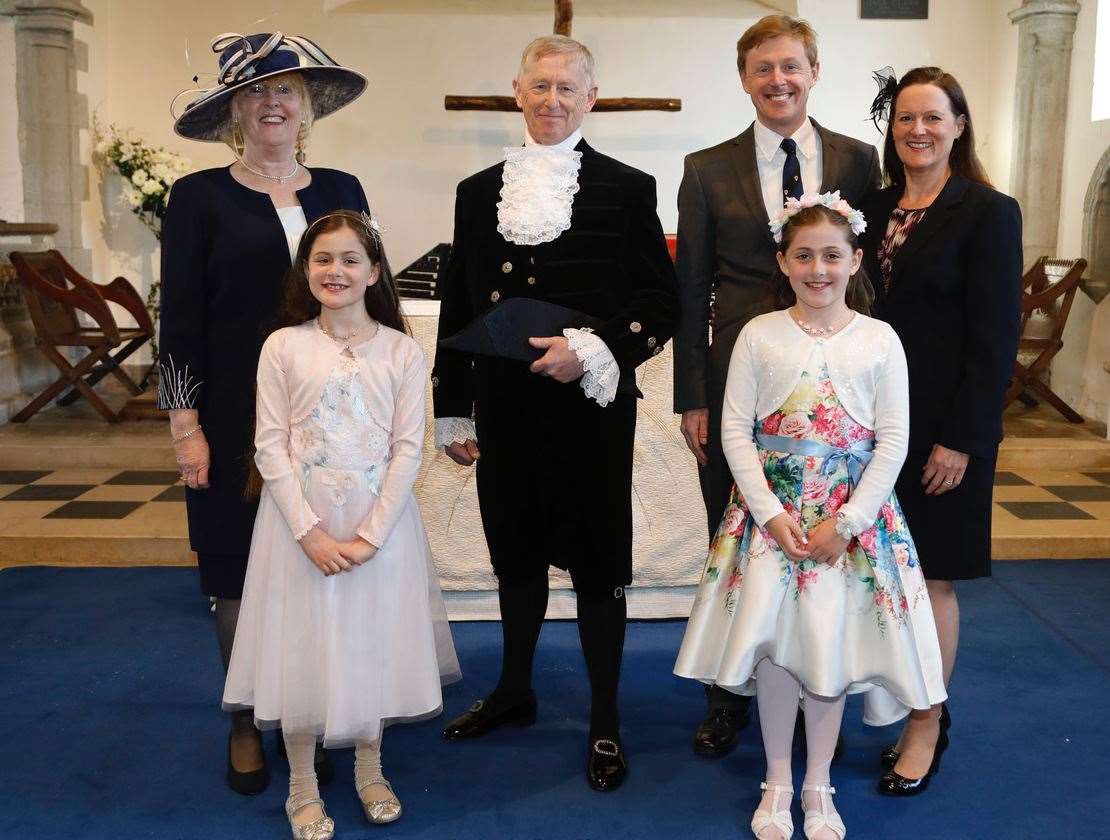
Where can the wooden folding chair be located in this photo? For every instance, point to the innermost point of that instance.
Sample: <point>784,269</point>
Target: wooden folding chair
<point>1046,304</point>
<point>55,293</point>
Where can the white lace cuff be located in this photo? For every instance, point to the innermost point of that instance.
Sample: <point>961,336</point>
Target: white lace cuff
<point>601,371</point>
<point>315,521</point>
<point>454,430</point>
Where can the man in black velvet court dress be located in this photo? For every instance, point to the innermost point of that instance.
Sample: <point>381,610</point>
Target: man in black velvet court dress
<point>561,223</point>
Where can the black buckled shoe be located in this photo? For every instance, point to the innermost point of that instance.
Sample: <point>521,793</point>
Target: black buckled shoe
<point>606,766</point>
<point>249,783</point>
<point>483,717</point>
<point>889,757</point>
<point>716,736</point>
<point>895,784</point>
<point>321,761</point>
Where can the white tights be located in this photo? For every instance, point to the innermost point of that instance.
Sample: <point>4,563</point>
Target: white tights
<point>777,694</point>
<point>303,788</point>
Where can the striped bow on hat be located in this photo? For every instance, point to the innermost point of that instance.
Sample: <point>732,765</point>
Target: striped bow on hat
<point>250,58</point>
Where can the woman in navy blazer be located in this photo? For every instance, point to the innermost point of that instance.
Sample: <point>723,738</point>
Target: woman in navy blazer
<point>943,249</point>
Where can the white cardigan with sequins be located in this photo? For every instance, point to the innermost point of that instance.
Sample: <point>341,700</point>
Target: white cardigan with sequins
<point>867,367</point>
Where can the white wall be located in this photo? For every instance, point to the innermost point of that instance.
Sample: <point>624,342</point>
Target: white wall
<point>409,152</point>
<point>11,171</point>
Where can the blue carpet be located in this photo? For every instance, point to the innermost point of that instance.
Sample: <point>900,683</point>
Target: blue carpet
<point>109,681</point>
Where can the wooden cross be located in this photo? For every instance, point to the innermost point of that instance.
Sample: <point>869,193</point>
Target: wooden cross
<point>564,13</point>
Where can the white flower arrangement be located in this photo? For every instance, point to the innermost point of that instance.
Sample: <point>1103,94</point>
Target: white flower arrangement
<point>148,172</point>
<point>832,200</point>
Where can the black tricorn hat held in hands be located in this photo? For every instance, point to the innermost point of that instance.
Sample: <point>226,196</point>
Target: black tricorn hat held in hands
<point>504,331</point>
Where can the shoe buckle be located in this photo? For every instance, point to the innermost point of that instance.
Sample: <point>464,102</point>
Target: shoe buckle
<point>478,704</point>
<point>604,746</point>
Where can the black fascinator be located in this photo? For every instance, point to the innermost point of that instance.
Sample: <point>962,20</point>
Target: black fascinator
<point>887,81</point>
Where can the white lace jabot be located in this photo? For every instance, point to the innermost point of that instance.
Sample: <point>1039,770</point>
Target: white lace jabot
<point>537,190</point>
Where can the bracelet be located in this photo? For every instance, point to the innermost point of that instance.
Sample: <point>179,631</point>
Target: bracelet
<point>842,527</point>
<point>191,431</point>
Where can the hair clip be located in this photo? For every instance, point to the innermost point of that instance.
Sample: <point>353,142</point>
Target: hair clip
<point>887,81</point>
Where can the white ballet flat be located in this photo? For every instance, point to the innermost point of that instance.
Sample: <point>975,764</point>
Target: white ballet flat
<point>818,819</point>
<point>776,817</point>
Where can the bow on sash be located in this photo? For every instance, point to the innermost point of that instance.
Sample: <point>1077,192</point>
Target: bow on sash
<point>857,456</point>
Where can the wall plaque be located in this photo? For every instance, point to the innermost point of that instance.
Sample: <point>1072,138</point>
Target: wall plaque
<point>894,9</point>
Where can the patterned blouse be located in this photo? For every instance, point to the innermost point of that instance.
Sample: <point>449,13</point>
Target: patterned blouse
<point>897,231</point>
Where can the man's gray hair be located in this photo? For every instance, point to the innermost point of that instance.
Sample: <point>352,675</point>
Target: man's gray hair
<point>560,45</point>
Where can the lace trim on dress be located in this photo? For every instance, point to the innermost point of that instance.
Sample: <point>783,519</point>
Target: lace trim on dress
<point>537,192</point>
<point>176,388</point>
<point>601,370</point>
<point>454,430</point>
<point>304,533</point>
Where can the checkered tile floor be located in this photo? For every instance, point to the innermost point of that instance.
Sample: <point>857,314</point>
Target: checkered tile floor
<point>1033,495</point>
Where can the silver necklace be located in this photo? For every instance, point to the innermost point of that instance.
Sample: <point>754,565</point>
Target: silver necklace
<point>345,340</point>
<point>820,332</point>
<point>281,179</point>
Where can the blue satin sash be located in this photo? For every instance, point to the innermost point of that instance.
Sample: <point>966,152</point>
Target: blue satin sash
<point>857,456</point>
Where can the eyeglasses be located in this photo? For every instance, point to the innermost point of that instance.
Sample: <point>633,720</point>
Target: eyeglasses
<point>262,90</point>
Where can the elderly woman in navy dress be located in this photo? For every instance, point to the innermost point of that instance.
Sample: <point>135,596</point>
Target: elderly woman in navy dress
<point>227,242</point>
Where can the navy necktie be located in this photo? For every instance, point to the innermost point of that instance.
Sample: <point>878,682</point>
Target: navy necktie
<point>791,171</point>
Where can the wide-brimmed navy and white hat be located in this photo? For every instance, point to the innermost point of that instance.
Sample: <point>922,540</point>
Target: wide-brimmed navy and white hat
<point>245,59</point>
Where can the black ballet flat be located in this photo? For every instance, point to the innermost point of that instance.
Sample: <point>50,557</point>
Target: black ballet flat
<point>251,783</point>
<point>895,784</point>
<point>483,717</point>
<point>606,766</point>
<point>321,761</point>
<point>889,757</point>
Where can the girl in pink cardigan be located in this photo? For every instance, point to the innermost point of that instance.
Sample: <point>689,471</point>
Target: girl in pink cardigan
<point>342,629</point>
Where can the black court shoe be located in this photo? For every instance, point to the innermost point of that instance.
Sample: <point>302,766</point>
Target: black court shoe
<point>716,736</point>
<point>321,761</point>
<point>895,784</point>
<point>890,755</point>
<point>483,717</point>
<point>606,766</point>
<point>250,783</point>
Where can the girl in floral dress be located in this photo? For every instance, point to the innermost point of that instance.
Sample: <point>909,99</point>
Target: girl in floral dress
<point>812,582</point>
<point>342,629</point>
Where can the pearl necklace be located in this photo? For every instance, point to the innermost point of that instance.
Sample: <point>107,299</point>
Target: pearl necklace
<point>281,179</point>
<point>820,332</point>
<point>345,340</point>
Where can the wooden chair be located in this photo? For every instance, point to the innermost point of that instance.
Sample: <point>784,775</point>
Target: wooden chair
<point>1044,314</point>
<point>55,293</point>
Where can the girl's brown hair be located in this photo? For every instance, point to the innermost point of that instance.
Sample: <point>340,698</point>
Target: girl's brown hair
<point>383,303</point>
<point>298,305</point>
<point>962,159</point>
<point>859,295</point>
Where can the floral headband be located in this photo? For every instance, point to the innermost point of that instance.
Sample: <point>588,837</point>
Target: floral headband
<point>832,200</point>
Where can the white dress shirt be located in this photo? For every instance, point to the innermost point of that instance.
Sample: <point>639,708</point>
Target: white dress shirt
<point>770,158</point>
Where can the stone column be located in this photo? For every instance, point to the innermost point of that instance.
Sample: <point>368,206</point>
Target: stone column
<point>1045,29</point>
<point>51,115</point>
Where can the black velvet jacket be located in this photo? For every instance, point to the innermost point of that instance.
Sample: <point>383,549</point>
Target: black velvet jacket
<point>224,260</point>
<point>556,468</point>
<point>955,302</point>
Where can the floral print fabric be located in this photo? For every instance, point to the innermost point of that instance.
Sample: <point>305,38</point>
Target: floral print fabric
<point>875,560</point>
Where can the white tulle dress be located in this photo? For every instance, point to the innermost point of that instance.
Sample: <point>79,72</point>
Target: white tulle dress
<point>339,437</point>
